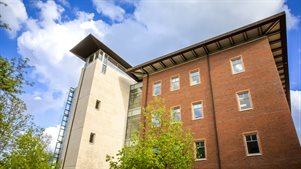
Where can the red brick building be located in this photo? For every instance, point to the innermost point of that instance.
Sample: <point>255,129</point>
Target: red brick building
<point>232,91</point>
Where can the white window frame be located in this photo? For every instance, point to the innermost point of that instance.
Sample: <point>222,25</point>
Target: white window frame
<point>246,145</point>
<point>171,83</point>
<point>238,100</point>
<point>195,150</point>
<point>232,66</point>
<point>154,94</point>
<point>202,108</point>
<point>190,76</point>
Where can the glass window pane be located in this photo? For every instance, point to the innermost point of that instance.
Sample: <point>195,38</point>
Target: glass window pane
<point>244,101</point>
<point>200,150</point>
<point>237,65</point>
<point>253,147</point>
<point>157,88</point>
<point>176,113</point>
<point>175,83</point>
<point>195,77</point>
<point>197,110</point>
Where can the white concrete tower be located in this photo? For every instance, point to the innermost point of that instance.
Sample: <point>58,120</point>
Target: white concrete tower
<point>97,122</point>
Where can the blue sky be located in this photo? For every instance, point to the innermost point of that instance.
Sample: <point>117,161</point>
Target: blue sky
<point>138,30</point>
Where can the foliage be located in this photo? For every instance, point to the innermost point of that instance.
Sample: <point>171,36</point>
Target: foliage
<point>161,143</point>
<point>13,118</point>
<point>29,151</point>
<point>22,144</point>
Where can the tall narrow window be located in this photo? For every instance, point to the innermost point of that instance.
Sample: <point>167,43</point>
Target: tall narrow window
<point>244,100</point>
<point>200,150</point>
<point>237,65</point>
<point>197,110</point>
<point>97,104</point>
<point>252,144</point>
<point>195,77</point>
<point>104,64</point>
<point>157,88</point>
<point>175,83</point>
<point>176,113</point>
<point>92,137</point>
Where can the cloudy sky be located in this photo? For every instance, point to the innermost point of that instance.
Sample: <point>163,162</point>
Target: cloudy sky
<point>138,30</point>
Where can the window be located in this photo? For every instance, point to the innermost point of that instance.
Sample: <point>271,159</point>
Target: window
<point>176,113</point>
<point>244,100</point>
<point>104,64</point>
<point>237,65</point>
<point>195,77</point>
<point>157,88</point>
<point>92,137</point>
<point>175,83</point>
<point>155,119</point>
<point>252,144</point>
<point>200,150</point>
<point>197,109</point>
<point>97,104</point>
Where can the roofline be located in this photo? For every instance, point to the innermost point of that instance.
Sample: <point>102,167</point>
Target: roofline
<point>210,40</point>
<point>101,46</point>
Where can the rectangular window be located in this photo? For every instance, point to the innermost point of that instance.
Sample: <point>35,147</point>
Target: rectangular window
<point>195,77</point>
<point>104,64</point>
<point>197,109</point>
<point>244,100</point>
<point>175,83</point>
<point>97,104</point>
<point>92,137</point>
<point>252,144</point>
<point>200,150</point>
<point>176,113</point>
<point>155,119</point>
<point>237,65</point>
<point>157,88</point>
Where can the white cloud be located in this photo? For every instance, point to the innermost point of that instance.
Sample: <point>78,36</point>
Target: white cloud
<point>53,133</point>
<point>296,110</point>
<point>37,98</point>
<point>14,14</point>
<point>108,8</point>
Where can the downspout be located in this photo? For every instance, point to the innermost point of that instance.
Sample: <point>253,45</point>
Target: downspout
<point>76,103</point>
<point>214,115</point>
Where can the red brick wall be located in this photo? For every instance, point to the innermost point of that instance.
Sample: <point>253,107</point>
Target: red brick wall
<point>270,115</point>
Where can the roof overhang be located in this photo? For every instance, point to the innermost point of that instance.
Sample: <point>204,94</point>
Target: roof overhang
<point>90,45</point>
<point>274,28</point>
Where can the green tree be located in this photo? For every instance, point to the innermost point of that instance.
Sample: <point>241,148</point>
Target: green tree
<point>29,151</point>
<point>22,144</point>
<point>161,143</point>
<point>13,118</point>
